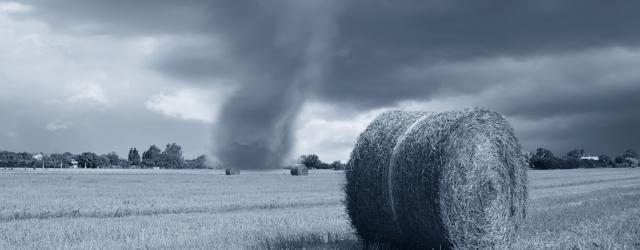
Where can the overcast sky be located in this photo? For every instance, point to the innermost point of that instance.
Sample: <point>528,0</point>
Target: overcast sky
<point>98,75</point>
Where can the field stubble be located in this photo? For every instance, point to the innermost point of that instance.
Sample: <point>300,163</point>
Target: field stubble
<point>102,209</point>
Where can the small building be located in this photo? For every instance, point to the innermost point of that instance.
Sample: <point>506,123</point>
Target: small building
<point>73,163</point>
<point>591,158</point>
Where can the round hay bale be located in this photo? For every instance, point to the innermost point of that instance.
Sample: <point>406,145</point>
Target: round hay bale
<point>299,169</point>
<point>231,171</point>
<point>437,180</point>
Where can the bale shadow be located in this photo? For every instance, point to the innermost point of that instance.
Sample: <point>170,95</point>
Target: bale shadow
<point>310,241</point>
<point>322,241</point>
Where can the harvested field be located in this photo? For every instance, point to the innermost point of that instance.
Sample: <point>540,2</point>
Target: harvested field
<point>107,209</point>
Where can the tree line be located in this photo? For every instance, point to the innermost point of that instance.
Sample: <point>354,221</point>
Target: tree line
<point>153,157</point>
<point>312,161</point>
<point>171,158</point>
<point>545,159</point>
<point>542,159</point>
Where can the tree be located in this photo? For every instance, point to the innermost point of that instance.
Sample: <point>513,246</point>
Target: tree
<point>310,160</point>
<point>575,154</point>
<point>543,153</point>
<point>26,160</point>
<point>8,159</point>
<point>605,159</point>
<point>197,163</point>
<point>114,159</point>
<point>632,162</point>
<point>67,157</point>
<point>544,159</point>
<point>89,160</point>
<point>134,157</point>
<point>619,159</point>
<point>337,165</point>
<point>124,163</point>
<point>151,157</point>
<point>55,161</point>
<point>171,157</point>
<point>630,153</point>
<point>104,161</point>
<point>59,160</point>
<point>323,166</point>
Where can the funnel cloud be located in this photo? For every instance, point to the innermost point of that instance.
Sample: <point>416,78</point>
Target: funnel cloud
<point>254,129</point>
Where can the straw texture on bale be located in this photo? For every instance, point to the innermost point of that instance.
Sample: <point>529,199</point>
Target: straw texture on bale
<point>453,179</point>
<point>231,171</point>
<point>299,169</point>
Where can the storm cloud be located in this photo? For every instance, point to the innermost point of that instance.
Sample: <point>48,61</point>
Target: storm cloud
<point>564,72</point>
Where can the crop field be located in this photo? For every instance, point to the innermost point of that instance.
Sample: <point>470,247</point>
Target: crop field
<point>172,209</point>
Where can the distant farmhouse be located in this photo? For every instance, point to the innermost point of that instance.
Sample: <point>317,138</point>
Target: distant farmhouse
<point>592,158</point>
<point>73,163</point>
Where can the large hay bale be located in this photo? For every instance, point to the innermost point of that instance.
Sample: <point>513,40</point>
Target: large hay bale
<point>231,171</point>
<point>299,169</point>
<point>453,179</point>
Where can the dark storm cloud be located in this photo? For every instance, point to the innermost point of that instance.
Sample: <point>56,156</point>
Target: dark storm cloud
<point>606,119</point>
<point>369,54</point>
<point>379,39</point>
<point>375,40</point>
<point>597,133</point>
<point>195,63</point>
<point>601,119</point>
<point>123,17</point>
<point>611,100</point>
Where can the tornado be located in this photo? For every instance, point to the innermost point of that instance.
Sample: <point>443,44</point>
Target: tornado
<point>280,53</point>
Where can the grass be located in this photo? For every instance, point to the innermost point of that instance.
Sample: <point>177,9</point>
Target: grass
<point>138,209</point>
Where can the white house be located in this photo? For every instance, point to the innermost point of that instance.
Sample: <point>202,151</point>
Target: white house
<point>74,163</point>
<point>593,158</point>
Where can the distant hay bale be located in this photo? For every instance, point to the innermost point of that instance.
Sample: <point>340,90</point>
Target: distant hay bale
<point>231,171</point>
<point>299,169</point>
<point>453,179</point>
